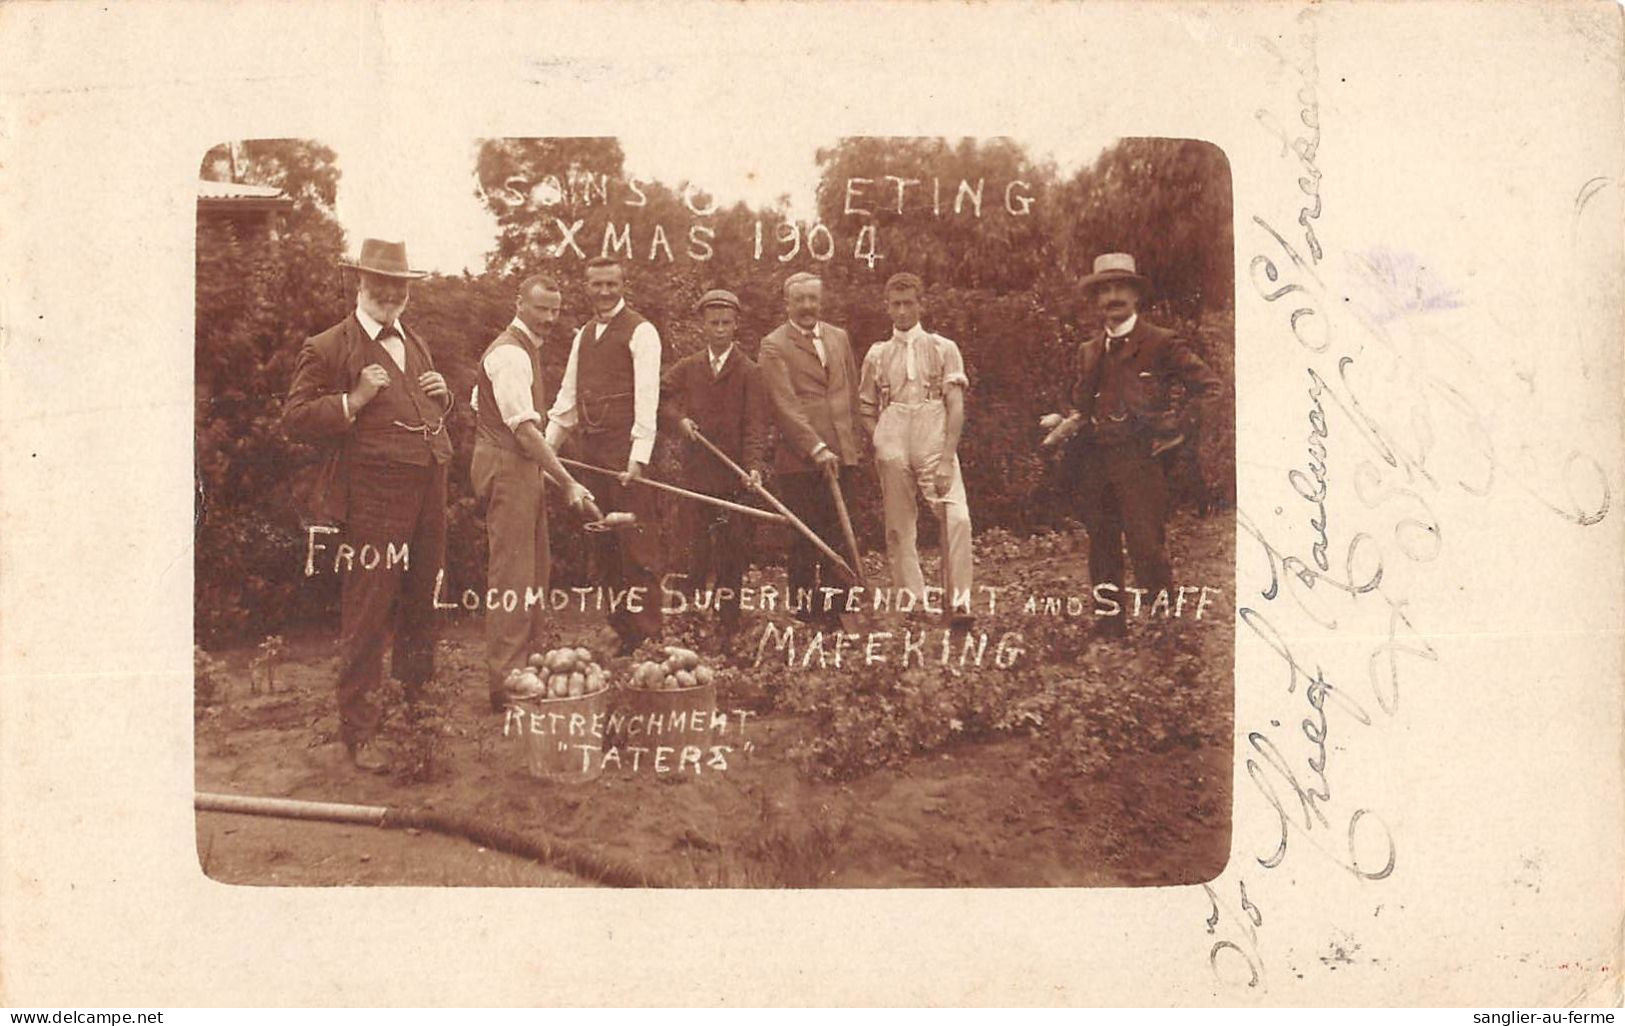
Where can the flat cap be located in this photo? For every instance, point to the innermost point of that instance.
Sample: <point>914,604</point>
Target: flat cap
<point>718,297</point>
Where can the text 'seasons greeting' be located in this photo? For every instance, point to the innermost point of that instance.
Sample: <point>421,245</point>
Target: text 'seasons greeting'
<point>554,201</point>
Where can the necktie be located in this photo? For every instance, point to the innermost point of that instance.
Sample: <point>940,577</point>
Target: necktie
<point>818,347</point>
<point>911,364</point>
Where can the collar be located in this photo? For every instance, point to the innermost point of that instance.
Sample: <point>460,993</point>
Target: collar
<point>723,359</point>
<point>804,332</point>
<point>1124,329</point>
<point>524,329</point>
<point>612,314</point>
<point>918,331</point>
<point>372,327</point>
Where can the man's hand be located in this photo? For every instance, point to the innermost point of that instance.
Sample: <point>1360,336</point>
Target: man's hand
<point>827,460</point>
<point>634,470</point>
<point>577,496</point>
<point>943,479</point>
<point>434,386</point>
<point>753,480</point>
<point>374,379</point>
<point>1050,421</point>
<point>691,430</point>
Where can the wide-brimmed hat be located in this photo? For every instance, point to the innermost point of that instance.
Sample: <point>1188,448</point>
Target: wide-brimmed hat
<point>718,297</point>
<point>1116,267</point>
<point>385,258</point>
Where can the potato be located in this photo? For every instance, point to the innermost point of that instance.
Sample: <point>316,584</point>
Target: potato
<point>578,680</point>
<point>577,690</point>
<point>704,675</point>
<point>537,660</point>
<point>561,686</point>
<point>583,656</point>
<point>685,679</point>
<point>669,683</point>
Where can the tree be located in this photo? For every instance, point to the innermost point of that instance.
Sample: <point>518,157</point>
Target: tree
<point>1168,202</point>
<point>258,299</point>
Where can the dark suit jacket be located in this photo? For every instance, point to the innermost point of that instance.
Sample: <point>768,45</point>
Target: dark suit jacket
<point>733,413</point>
<point>329,365</point>
<point>810,403</point>
<point>1153,360</point>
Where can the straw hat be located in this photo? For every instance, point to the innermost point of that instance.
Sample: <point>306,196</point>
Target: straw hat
<point>1116,267</point>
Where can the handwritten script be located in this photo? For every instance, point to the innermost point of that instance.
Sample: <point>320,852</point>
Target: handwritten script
<point>1390,394</point>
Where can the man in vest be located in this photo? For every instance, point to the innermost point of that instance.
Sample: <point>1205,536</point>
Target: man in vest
<point>812,379</point>
<point>367,386</point>
<point>608,403</point>
<point>1121,422</point>
<point>911,399</point>
<point>717,393</point>
<point>511,464</point>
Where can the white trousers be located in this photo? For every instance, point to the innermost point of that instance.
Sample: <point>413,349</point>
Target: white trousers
<point>908,448</point>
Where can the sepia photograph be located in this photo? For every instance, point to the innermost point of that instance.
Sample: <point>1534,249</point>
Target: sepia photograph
<point>870,526</point>
<point>797,504</point>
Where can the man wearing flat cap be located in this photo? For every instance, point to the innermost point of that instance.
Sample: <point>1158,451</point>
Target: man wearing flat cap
<point>509,471</point>
<point>1122,420</point>
<point>812,380</point>
<point>717,393</point>
<point>367,391</point>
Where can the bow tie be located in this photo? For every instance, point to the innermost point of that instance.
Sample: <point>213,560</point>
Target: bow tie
<point>387,333</point>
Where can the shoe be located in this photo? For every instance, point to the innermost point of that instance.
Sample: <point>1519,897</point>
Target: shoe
<point>367,758</point>
<point>499,701</point>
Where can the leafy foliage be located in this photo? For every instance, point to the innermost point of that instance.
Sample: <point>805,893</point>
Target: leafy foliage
<point>1002,285</point>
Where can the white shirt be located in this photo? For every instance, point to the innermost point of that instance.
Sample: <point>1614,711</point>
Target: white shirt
<point>1113,334</point>
<point>512,378</point>
<point>907,339</point>
<point>817,341</point>
<point>719,362</point>
<point>645,346</point>
<point>394,346</point>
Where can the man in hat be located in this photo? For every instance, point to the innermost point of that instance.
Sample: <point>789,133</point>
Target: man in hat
<point>812,380</point>
<point>717,393</point>
<point>511,464</point>
<point>911,399</point>
<point>607,403</point>
<point>367,390</point>
<point>1121,422</point>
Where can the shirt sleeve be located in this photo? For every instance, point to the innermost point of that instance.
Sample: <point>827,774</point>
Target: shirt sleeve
<point>869,385</point>
<point>562,417</point>
<point>953,364</point>
<point>511,378</point>
<point>645,347</point>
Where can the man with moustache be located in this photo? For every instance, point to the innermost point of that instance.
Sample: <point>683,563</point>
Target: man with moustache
<point>718,393</point>
<point>911,399</point>
<point>366,389</point>
<point>812,380</point>
<point>509,471</point>
<point>1122,422</point>
<point>607,404</point>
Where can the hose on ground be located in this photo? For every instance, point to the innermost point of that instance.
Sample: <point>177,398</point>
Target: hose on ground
<point>575,860</point>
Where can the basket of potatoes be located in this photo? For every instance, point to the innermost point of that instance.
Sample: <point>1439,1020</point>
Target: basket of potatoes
<point>670,698</point>
<point>557,703</point>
